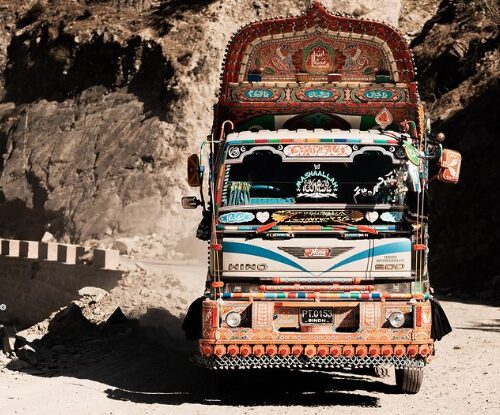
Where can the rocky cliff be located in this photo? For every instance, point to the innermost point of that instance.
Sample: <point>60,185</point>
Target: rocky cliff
<point>102,100</point>
<point>459,62</point>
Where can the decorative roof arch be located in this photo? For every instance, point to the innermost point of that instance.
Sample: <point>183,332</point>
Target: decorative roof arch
<point>317,43</point>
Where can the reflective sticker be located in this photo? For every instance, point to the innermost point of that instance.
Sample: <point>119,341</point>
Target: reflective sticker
<point>392,216</point>
<point>236,217</point>
<point>317,184</point>
<point>371,216</point>
<point>412,153</point>
<point>262,216</point>
<point>331,150</point>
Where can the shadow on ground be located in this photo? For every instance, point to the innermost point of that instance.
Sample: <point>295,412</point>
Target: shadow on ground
<point>493,327</point>
<point>33,289</point>
<point>151,365</point>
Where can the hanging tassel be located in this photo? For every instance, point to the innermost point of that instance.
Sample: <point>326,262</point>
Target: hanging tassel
<point>440,324</point>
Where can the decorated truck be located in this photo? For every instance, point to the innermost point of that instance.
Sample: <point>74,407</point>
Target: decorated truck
<point>313,185</point>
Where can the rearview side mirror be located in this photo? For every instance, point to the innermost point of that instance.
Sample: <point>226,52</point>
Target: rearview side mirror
<point>449,166</point>
<point>193,170</point>
<point>191,202</point>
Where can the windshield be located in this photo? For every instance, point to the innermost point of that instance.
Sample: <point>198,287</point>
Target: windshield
<point>264,178</point>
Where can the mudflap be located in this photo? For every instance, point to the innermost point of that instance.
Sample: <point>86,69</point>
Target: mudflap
<point>192,322</point>
<point>440,324</point>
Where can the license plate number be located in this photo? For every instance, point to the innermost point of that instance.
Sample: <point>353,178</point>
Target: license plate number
<point>316,315</point>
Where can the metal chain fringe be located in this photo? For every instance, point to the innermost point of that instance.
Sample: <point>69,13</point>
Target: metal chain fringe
<point>303,362</point>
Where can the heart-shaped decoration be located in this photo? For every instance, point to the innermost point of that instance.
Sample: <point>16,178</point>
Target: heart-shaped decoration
<point>262,216</point>
<point>371,216</point>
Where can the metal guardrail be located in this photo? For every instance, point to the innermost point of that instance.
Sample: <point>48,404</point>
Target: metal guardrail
<point>61,253</point>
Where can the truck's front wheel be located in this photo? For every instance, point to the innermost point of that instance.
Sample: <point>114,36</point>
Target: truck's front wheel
<point>409,380</point>
<point>381,371</point>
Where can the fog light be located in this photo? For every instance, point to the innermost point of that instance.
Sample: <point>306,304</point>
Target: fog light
<point>397,319</point>
<point>233,319</point>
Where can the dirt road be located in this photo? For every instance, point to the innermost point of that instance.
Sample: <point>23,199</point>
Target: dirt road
<point>127,370</point>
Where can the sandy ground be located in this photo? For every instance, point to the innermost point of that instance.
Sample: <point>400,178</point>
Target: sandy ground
<point>142,366</point>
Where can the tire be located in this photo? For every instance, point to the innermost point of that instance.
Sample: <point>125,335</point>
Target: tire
<point>381,371</point>
<point>409,380</point>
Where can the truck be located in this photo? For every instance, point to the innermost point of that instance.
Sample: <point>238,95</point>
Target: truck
<point>314,188</point>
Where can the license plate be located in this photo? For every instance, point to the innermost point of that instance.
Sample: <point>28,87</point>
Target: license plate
<point>316,315</point>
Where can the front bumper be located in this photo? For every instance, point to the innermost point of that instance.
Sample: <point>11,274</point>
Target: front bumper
<point>273,335</point>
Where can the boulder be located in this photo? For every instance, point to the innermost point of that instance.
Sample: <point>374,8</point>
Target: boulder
<point>48,237</point>
<point>94,293</point>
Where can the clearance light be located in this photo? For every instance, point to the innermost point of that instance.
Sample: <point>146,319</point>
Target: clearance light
<point>310,350</point>
<point>374,350</point>
<point>220,350</point>
<point>233,350</point>
<point>361,351</point>
<point>245,350</point>
<point>297,350</point>
<point>424,350</point>
<point>284,350</point>
<point>399,350</point>
<point>348,351</point>
<point>412,350</point>
<point>323,350</point>
<point>397,319</point>
<point>206,350</point>
<point>386,350</point>
<point>335,351</point>
<point>271,350</point>
<point>258,350</point>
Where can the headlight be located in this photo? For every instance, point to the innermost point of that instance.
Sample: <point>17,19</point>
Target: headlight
<point>233,319</point>
<point>397,319</point>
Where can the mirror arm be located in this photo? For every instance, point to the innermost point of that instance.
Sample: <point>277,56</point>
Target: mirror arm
<point>202,196</point>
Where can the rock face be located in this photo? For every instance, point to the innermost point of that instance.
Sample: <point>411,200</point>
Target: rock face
<point>386,10</point>
<point>459,62</point>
